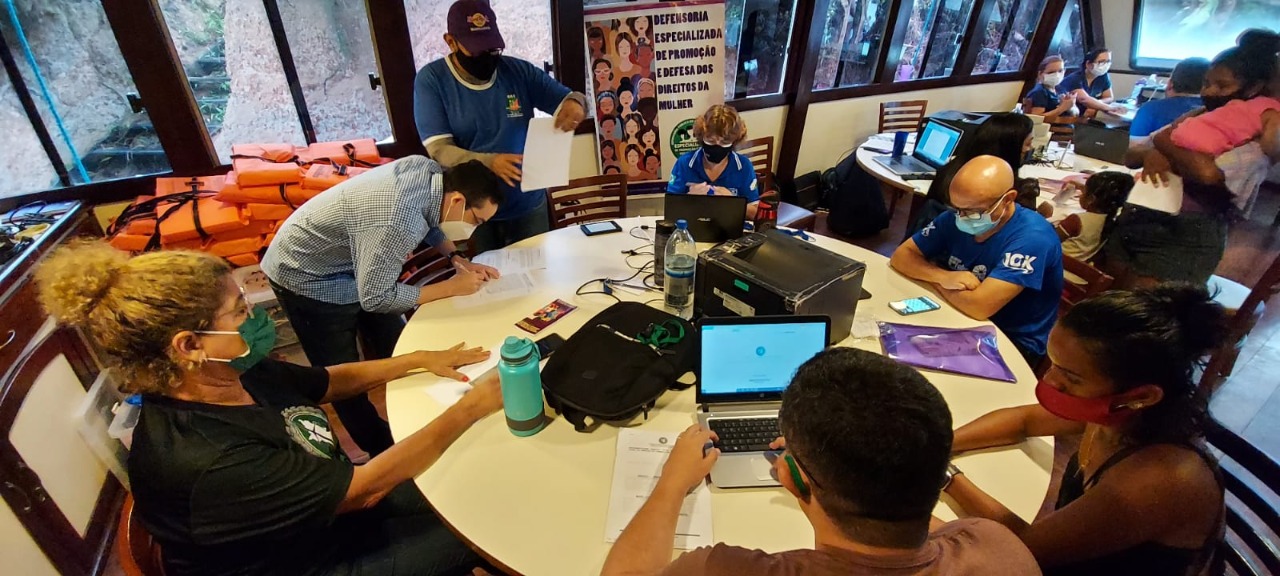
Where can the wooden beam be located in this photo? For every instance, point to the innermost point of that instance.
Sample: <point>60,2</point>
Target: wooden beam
<point>1041,41</point>
<point>896,33</point>
<point>810,37</point>
<point>393,50</point>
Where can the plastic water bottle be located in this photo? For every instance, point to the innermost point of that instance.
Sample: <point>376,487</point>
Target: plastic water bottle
<point>521,386</point>
<point>678,266</point>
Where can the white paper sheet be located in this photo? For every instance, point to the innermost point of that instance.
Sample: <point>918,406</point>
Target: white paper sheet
<point>636,469</point>
<point>546,155</point>
<point>1166,198</point>
<point>448,392</point>
<point>506,287</point>
<point>512,260</point>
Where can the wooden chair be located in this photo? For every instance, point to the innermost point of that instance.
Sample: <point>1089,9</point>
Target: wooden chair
<point>1250,545</point>
<point>905,115</point>
<point>1062,129</point>
<point>1096,282</point>
<point>760,152</point>
<point>588,200</point>
<point>139,553</point>
<point>1243,319</point>
<point>424,267</point>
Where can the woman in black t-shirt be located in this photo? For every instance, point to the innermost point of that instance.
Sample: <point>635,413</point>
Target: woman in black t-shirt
<point>1142,495</point>
<point>234,467</point>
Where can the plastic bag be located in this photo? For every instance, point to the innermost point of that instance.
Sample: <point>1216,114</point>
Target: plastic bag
<point>968,351</point>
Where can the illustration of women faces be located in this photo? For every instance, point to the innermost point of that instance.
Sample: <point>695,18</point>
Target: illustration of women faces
<point>627,100</point>
<point>606,105</point>
<point>646,88</point>
<point>608,152</point>
<point>634,161</point>
<point>632,127</point>
<point>649,139</point>
<point>641,26</point>
<point>603,71</point>
<point>624,47</point>
<point>595,42</point>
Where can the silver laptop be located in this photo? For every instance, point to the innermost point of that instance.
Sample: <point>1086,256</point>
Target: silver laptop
<point>745,365</point>
<point>935,146</point>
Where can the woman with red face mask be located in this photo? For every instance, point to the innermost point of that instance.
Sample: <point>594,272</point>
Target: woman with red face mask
<point>1142,495</point>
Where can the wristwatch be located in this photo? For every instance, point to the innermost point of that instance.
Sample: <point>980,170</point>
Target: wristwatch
<point>456,254</point>
<point>950,475</point>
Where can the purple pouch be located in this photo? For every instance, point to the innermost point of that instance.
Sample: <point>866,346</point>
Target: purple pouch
<point>968,351</point>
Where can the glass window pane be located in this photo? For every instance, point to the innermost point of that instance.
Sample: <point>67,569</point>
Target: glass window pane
<point>851,43</point>
<point>71,64</point>
<point>525,26</point>
<point>333,51</point>
<point>950,18</point>
<point>757,36</point>
<point>1005,43</point>
<point>231,61</point>
<point>26,168</point>
<point>1068,38</point>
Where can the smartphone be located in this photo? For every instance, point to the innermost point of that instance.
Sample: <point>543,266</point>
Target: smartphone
<point>598,228</point>
<point>549,344</point>
<point>914,305</point>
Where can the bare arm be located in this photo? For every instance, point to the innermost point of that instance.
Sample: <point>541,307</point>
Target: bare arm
<point>910,261</point>
<point>448,154</point>
<point>1197,166</point>
<point>413,455</point>
<point>975,502</point>
<point>1271,134</point>
<point>355,378</point>
<point>984,301</point>
<point>1009,426</point>
<point>1069,227</point>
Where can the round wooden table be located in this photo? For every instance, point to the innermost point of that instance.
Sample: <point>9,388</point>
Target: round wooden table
<point>537,505</point>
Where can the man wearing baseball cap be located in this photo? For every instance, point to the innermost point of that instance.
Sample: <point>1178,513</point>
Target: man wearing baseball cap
<point>475,104</point>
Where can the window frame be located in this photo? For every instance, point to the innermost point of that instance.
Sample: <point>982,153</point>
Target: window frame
<point>152,60</point>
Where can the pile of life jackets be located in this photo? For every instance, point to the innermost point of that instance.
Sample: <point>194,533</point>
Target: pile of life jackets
<point>235,216</point>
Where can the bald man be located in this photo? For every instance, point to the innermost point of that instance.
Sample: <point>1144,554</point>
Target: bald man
<point>991,258</point>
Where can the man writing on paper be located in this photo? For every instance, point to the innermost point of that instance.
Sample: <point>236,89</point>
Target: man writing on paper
<point>865,454</point>
<point>335,264</point>
<point>476,104</point>
<point>990,257</point>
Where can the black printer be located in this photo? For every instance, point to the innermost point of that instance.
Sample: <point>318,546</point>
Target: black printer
<point>776,274</point>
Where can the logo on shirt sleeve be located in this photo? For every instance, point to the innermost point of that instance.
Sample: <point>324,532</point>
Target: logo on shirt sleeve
<point>980,271</point>
<point>309,428</point>
<point>927,229</point>
<point>513,107</point>
<point>1019,262</point>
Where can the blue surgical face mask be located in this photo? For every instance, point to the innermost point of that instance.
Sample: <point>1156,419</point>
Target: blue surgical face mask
<point>980,225</point>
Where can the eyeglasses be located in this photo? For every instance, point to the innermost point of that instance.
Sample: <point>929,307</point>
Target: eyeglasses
<point>718,144</point>
<point>974,214</point>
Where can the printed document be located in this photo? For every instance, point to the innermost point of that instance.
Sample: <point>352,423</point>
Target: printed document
<point>546,155</point>
<point>511,260</point>
<point>636,469</point>
<point>508,286</point>
<point>447,392</point>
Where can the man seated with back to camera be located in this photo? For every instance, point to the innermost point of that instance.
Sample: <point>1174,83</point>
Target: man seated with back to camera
<point>865,454</point>
<point>991,258</point>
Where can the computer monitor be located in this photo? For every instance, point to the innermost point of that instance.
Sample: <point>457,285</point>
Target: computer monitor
<point>937,143</point>
<point>756,358</point>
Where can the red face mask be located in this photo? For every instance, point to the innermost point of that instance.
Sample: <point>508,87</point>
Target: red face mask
<point>1106,411</point>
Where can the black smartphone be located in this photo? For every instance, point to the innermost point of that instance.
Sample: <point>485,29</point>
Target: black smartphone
<point>598,228</point>
<point>549,344</point>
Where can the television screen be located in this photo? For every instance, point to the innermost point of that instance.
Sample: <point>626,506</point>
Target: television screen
<point>1169,30</point>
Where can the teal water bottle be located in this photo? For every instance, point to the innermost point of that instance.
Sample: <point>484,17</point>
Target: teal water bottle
<point>521,386</point>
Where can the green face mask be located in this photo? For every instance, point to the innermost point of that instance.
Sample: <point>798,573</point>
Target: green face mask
<point>259,333</point>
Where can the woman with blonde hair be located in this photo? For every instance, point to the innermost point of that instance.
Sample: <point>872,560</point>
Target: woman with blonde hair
<point>715,168</point>
<point>234,466</point>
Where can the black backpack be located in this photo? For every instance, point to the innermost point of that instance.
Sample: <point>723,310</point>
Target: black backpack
<point>856,203</point>
<point>604,374</point>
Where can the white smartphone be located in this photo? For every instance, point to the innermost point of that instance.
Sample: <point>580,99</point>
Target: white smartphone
<point>914,305</point>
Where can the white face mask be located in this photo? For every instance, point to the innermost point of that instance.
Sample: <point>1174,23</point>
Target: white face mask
<point>1100,69</point>
<point>1052,80</point>
<point>457,230</point>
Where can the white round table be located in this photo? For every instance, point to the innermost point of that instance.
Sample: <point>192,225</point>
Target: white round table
<point>537,505</point>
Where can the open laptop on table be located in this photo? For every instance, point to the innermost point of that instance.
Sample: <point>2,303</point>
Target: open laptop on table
<point>745,365</point>
<point>711,218</point>
<point>1106,144</point>
<point>934,147</point>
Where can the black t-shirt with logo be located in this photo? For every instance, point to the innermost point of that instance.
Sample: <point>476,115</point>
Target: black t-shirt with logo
<point>243,489</point>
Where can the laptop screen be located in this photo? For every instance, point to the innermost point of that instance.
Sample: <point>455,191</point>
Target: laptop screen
<point>756,358</point>
<point>937,143</point>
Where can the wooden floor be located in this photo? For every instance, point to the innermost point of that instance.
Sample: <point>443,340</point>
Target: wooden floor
<point>1249,402</point>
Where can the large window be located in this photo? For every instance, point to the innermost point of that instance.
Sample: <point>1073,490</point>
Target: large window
<point>851,43</point>
<point>935,32</point>
<point>1007,36</point>
<point>67,57</point>
<point>1170,30</point>
<point>1068,38</point>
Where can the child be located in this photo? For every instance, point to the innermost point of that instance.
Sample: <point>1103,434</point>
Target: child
<point>1232,121</point>
<point>1084,234</point>
<point>1029,195</point>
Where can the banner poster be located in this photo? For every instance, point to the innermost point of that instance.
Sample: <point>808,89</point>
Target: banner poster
<point>653,68</point>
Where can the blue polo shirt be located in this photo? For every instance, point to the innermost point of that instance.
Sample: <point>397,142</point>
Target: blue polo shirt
<point>739,175</point>
<point>490,118</point>
<point>1026,252</point>
<point>1078,79</point>
<point>1157,114</point>
<point>1042,97</point>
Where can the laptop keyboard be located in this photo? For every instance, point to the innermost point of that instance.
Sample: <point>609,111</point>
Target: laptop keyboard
<point>744,434</point>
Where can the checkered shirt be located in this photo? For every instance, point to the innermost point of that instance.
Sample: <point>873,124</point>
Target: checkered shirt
<point>349,243</point>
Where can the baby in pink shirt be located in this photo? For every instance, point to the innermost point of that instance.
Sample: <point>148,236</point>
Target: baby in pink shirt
<point>1233,125</point>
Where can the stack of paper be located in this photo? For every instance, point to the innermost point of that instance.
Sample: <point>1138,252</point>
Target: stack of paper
<point>636,469</point>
